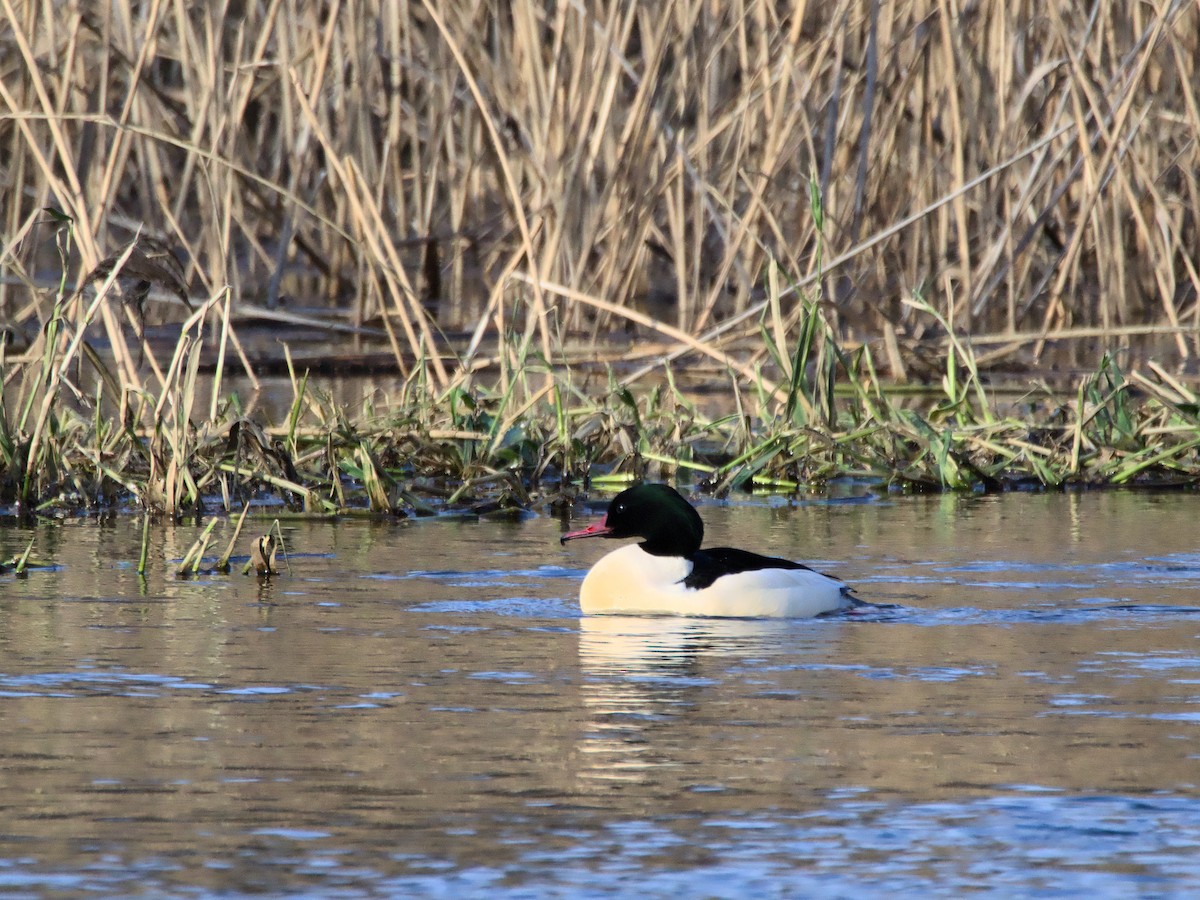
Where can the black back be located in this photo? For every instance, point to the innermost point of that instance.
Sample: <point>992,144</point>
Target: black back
<point>709,565</point>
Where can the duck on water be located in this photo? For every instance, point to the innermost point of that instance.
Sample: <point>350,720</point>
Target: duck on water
<point>668,573</point>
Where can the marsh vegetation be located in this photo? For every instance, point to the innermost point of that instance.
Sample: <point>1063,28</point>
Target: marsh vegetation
<point>545,213</point>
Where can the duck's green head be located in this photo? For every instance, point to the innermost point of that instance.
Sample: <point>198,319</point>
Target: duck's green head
<point>656,513</point>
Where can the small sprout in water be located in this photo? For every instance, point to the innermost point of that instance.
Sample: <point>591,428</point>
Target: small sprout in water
<point>262,555</point>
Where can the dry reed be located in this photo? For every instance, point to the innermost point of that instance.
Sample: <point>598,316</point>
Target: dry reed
<point>805,194</point>
<point>403,160</point>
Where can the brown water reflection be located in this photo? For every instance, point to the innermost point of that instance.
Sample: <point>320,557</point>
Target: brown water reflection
<point>418,708</point>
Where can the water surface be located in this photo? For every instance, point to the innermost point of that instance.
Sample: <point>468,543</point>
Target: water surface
<point>417,708</point>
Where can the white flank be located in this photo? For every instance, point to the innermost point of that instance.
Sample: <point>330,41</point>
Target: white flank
<point>630,581</point>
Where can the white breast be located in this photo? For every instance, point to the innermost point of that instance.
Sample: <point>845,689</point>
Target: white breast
<point>629,580</point>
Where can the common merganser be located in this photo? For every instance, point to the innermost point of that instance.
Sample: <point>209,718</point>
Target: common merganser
<point>668,574</point>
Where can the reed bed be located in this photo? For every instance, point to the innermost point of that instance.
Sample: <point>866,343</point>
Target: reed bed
<point>818,199</point>
<point>549,433</point>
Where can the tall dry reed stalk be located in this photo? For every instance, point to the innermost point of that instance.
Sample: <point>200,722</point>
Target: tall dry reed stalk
<point>1029,168</point>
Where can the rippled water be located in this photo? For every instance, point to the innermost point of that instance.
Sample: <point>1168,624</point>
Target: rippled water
<point>417,709</point>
